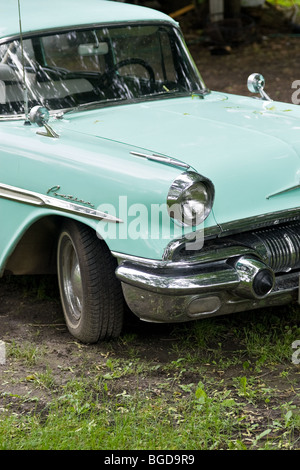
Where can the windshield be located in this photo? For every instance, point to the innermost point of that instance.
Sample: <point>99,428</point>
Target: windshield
<point>100,65</point>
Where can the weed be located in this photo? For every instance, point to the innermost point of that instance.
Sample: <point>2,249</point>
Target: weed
<point>26,351</point>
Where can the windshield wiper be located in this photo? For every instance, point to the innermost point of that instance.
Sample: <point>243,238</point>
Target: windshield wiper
<point>151,96</point>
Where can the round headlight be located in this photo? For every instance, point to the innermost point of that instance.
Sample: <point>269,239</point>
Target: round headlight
<point>190,198</point>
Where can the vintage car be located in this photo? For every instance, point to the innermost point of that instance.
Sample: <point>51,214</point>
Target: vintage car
<point>124,174</point>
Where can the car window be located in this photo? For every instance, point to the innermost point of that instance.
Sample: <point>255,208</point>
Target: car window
<point>153,46</point>
<point>98,65</point>
<point>63,50</point>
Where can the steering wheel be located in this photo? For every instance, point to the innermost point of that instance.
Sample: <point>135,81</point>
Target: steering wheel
<point>134,61</point>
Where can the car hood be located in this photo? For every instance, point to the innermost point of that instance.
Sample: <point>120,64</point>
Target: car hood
<point>249,148</point>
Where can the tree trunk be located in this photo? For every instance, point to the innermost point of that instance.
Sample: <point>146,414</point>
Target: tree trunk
<point>232,8</point>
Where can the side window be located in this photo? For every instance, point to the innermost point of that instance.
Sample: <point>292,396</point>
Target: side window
<point>11,74</point>
<point>11,53</point>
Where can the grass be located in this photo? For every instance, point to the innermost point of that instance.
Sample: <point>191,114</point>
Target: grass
<point>205,397</point>
<point>285,3</point>
<point>204,418</point>
<point>80,420</point>
<point>229,383</point>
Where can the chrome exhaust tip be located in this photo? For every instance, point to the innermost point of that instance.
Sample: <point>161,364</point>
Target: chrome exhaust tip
<point>256,278</point>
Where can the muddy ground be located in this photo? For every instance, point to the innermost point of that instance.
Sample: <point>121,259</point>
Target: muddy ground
<point>30,311</point>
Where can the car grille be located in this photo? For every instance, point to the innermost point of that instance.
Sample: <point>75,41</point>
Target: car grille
<point>278,247</point>
<point>282,247</point>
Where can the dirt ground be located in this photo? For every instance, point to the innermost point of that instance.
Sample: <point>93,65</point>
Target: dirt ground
<point>277,59</point>
<point>30,310</point>
<point>275,55</point>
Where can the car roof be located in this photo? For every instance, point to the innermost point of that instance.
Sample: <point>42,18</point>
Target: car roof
<point>46,15</point>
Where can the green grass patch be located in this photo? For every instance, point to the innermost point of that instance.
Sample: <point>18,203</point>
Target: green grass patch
<point>203,417</point>
<point>285,3</point>
<point>226,383</point>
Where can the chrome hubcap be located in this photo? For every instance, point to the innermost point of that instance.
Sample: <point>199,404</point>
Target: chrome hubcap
<point>71,280</point>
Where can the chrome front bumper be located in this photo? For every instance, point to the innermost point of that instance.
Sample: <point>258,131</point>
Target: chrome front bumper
<point>187,290</point>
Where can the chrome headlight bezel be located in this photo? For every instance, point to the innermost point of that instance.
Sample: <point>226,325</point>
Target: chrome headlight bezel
<point>190,199</point>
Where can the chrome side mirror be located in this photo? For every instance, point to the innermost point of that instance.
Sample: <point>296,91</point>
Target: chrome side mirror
<point>40,115</point>
<point>256,84</point>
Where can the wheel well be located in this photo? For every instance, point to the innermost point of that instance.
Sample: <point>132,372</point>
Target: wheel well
<point>36,251</point>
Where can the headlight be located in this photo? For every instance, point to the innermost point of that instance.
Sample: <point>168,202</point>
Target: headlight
<point>190,198</point>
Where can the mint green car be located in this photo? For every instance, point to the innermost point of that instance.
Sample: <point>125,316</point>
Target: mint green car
<point>124,174</point>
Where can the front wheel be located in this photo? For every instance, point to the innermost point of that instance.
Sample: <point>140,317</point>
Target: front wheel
<point>90,293</point>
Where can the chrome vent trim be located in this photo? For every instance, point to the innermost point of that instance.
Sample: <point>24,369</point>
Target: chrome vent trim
<point>161,159</point>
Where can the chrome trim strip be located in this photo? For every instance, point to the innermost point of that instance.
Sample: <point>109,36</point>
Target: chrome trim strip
<point>287,190</point>
<point>87,26</point>
<point>161,159</point>
<point>36,199</point>
<point>138,260</point>
<point>201,257</point>
<point>260,221</point>
<point>12,117</point>
<point>55,113</point>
